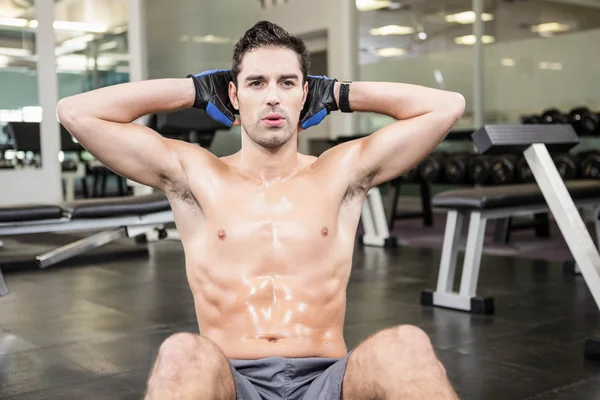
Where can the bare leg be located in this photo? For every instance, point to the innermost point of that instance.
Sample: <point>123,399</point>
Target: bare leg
<point>396,363</point>
<point>190,367</point>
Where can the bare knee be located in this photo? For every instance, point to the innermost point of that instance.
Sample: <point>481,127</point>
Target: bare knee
<point>403,335</point>
<point>407,345</point>
<point>181,351</point>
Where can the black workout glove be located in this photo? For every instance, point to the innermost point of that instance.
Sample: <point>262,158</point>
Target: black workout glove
<point>212,95</point>
<point>320,101</point>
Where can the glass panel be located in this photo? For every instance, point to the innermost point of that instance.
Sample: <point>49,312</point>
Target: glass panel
<point>417,43</point>
<point>187,37</point>
<point>19,105</point>
<point>545,56</point>
<point>91,52</point>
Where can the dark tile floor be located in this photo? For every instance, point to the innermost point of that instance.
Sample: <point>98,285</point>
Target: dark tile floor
<point>92,331</point>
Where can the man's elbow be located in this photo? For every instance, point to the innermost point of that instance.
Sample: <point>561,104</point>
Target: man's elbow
<point>456,105</point>
<point>66,112</point>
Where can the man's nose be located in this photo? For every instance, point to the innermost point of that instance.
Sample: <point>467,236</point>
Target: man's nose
<point>272,95</point>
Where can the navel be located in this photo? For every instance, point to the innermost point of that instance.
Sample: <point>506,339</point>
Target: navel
<point>221,234</point>
<point>324,231</point>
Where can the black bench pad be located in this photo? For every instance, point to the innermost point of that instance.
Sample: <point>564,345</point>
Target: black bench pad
<point>29,212</point>
<point>117,206</point>
<point>492,197</point>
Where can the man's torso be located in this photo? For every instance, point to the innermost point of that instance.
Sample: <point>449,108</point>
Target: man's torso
<point>268,265</point>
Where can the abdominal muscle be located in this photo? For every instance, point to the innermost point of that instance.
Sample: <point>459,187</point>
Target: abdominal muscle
<point>250,317</point>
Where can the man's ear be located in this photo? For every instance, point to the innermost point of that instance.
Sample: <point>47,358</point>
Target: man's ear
<point>233,96</point>
<point>305,89</point>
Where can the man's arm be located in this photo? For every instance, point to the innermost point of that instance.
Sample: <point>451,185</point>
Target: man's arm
<point>102,121</point>
<point>425,116</point>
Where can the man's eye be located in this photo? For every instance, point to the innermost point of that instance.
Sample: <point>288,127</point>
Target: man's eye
<point>288,83</point>
<point>255,83</point>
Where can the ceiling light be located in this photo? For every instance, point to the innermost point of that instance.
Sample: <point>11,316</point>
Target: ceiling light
<point>4,60</point>
<point>18,22</point>
<point>211,39</point>
<point>11,51</point>
<point>467,17</point>
<point>392,30</point>
<point>370,5</point>
<point>73,45</point>
<point>390,52</point>
<point>58,25</point>
<point>508,62</point>
<point>550,65</point>
<point>108,46</point>
<point>470,39</point>
<point>79,26</point>
<point>550,27</point>
<point>422,35</point>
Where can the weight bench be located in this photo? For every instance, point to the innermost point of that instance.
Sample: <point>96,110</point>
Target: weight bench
<point>117,217</point>
<point>560,198</point>
<point>481,204</point>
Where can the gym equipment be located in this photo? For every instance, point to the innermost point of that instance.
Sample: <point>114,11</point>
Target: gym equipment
<point>480,169</point>
<point>590,165</point>
<point>119,217</point>
<point>411,176</point>
<point>25,137</point>
<point>554,116</point>
<point>374,222</point>
<point>524,173</point>
<point>425,212</point>
<point>567,165</point>
<point>504,169</point>
<point>531,119</point>
<point>550,192</point>
<point>584,121</point>
<point>456,168</point>
<point>188,124</point>
<point>431,168</point>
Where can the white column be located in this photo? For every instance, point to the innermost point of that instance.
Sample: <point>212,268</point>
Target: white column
<point>138,64</point>
<point>48,98</point>
<point>138,61</point>
<point>343,60</point>
<point>478,31</point>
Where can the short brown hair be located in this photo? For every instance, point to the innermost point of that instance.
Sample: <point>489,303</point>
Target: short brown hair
<point>268,34</point>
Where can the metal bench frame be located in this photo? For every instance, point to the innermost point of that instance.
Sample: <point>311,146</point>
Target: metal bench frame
<point>112,229</point>
<point>466,298</point>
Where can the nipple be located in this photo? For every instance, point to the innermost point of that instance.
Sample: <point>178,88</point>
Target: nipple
<point>221,234</point>
<point>324,231</point>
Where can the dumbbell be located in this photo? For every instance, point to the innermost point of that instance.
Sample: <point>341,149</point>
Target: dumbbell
<point>504,169</point>
<point>411,176</point>
<point>531,119</point>
<point>524,173</point>
<point>456,167</point>
<point>568,165</point>
<point>554,116</point>
<point>431,169</point>
<point>480,169</point>
<point>584,121</point>
<point>590,165</point>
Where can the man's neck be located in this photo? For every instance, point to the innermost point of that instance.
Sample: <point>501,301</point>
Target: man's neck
<point>268,166</point>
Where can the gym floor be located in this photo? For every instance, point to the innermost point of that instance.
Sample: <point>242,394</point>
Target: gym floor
<point>92,331</point>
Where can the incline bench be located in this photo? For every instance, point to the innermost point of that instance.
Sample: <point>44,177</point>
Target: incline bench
<point>119,217</point>
<point>479,205</point>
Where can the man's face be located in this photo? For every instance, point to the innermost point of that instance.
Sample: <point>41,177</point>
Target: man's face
<point>269,96</point>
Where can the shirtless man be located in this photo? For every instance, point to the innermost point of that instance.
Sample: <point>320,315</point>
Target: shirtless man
<point>269,233</point>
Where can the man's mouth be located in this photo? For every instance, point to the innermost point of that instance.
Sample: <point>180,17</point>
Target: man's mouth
<point>274,120</point>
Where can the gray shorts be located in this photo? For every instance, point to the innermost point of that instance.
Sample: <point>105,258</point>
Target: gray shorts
<point>272,378</point>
